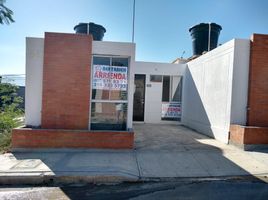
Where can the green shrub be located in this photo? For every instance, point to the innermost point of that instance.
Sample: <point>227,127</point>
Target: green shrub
<point>5,141</point>
<point>9,113</point>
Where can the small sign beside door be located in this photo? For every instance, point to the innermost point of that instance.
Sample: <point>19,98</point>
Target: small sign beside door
<point>171,110</point>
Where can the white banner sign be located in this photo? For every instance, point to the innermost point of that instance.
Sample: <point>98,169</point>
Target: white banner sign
<point>171,110</point>
<point>109,77</point>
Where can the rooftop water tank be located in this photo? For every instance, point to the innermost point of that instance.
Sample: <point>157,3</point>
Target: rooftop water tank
<point>96,30</point>
<point>204,37</point>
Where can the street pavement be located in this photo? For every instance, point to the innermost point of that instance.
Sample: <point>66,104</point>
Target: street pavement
<point>203,190</point>
<point>162,153</point>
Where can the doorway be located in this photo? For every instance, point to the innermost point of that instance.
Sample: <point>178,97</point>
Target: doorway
<point>139,97</point>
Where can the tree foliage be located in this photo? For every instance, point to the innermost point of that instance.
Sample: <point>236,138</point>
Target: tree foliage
<point>5,14</point>
<point>9,113</point>
<point>8,96</point>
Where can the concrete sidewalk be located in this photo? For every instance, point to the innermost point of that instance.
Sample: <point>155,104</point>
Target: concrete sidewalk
<point>162,152</point>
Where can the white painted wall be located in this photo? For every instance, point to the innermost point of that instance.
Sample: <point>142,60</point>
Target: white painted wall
<point>34,80</point>
<point>240,82</point>
<point>210,82</point>
<point>153,94</point>
<point>120,49</point>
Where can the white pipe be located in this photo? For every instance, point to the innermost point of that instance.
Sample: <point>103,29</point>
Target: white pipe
<point>133,21</point>
<point>209,32</point>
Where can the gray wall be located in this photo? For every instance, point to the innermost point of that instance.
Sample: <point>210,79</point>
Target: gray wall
<point>34,81</point>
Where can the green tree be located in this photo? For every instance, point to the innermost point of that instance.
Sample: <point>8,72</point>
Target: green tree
<point>9,97</point>
<point>5,13</point>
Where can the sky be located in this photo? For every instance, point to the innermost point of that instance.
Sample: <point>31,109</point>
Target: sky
<point>161,26</point>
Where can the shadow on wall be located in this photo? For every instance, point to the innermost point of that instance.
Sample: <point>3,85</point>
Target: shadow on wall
<point>207,93</point>
<point>194,112</point>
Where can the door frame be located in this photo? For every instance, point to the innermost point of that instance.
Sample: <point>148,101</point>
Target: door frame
<point>144,91</point>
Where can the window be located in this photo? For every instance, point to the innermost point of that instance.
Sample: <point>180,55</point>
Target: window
<point>172,88</point>
<point>120,62</point>
<point>109,93</point>
<point>101,60</point>
<point>106,88</point>
<point>171,98</point>
<point>108,116</point>
<point>166,88</point>
<point>156,78</point>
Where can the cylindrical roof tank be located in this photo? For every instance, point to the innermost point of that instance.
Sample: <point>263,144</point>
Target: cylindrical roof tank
<point>204,37</point>
<point>96,30</point>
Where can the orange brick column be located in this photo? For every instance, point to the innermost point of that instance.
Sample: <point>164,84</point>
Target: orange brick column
<point>258,82</point>
<point>66,81</point>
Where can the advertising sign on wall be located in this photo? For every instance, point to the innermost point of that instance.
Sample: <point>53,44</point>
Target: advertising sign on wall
<point>109,77</point>
<point>171,110</point>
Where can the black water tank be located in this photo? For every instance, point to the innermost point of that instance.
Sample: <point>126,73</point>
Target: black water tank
<point>96,30</point>
<point>200,37</point>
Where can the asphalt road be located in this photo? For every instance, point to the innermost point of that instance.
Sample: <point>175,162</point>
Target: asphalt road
<point>231,190</point>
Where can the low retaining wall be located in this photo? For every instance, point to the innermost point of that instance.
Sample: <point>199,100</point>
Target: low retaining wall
<point>57,138</point>
<point>248,135</point>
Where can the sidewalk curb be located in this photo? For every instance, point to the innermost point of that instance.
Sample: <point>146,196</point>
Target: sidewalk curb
<point>48,179</point>
<point>260,177</point>
<point>64,179</point>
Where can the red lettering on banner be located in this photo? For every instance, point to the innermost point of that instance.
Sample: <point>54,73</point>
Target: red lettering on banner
<point>105,75</point>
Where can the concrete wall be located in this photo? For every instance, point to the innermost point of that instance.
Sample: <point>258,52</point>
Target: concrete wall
<point>211,89</point>
<point>120,49</point>
<point>207,92</point>
<point>34,80</point>
<point>240,82</point>
<point>153,90</point>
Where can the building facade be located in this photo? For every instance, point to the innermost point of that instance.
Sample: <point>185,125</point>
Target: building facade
<point>82,93</point>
